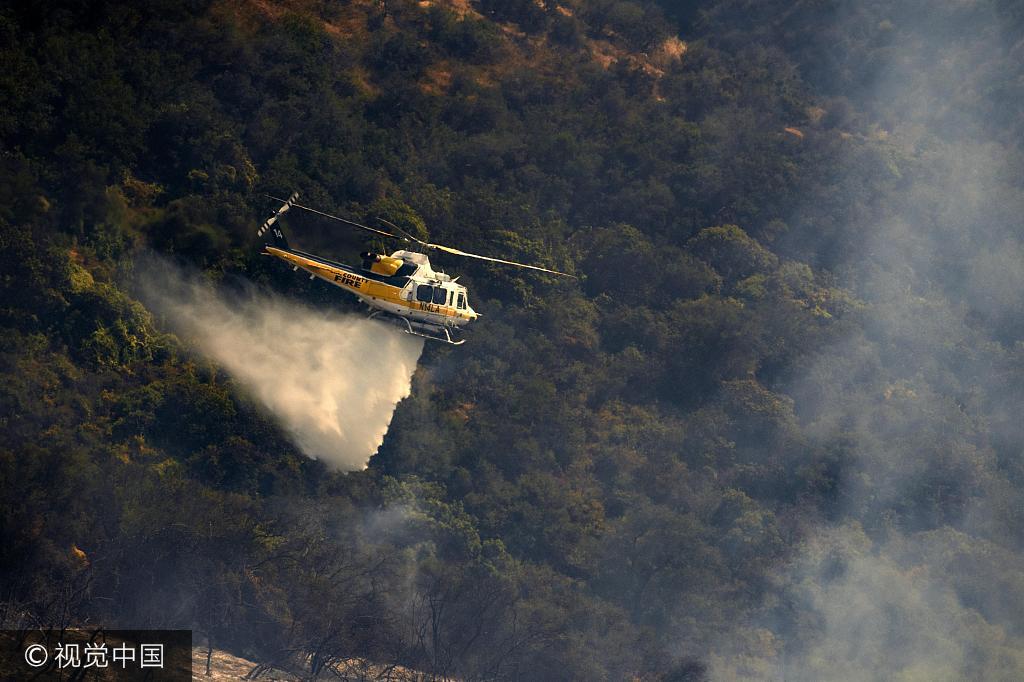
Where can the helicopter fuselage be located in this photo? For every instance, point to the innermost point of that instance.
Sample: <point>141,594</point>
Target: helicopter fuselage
<point>413,292</point>
<point>401,287</point>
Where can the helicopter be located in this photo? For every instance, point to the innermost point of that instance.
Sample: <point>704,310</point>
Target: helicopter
<point>401,288</point>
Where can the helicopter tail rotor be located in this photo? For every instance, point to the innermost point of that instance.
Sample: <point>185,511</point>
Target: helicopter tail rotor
<point>269,227</point>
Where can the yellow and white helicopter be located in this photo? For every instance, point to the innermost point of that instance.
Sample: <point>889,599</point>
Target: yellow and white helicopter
<point>401,287</point>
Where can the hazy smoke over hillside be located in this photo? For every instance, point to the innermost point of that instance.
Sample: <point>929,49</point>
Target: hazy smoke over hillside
<point>907,584</point>
<point>332,380</point>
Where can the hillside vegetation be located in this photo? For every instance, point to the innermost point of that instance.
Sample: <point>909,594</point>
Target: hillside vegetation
<point>771,431</point>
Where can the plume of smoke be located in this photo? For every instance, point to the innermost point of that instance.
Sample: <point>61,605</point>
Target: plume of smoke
<point>914,401</point>
<point>874,614</point>
<point>332,380</point>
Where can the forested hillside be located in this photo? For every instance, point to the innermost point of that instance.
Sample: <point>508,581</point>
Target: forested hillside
<point>772,430</point>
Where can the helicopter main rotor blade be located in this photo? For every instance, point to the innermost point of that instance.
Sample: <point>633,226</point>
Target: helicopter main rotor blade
<point>402,237</point>
<point>405,236</point>
<point>408,236</point>
<point>459,252</point>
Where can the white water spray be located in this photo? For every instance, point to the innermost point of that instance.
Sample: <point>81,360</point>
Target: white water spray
<point>332,380</point>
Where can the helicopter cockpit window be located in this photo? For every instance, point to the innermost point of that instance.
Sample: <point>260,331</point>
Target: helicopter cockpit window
<point>440,295</point>
<point>462,301</point>
<point>424,293</point>
<point>406,270</point>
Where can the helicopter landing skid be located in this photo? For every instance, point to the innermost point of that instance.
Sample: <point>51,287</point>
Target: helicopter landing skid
<point>407,327</point>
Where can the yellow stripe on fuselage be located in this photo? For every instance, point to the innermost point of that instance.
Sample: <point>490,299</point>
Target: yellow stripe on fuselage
<point>362,287</point>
